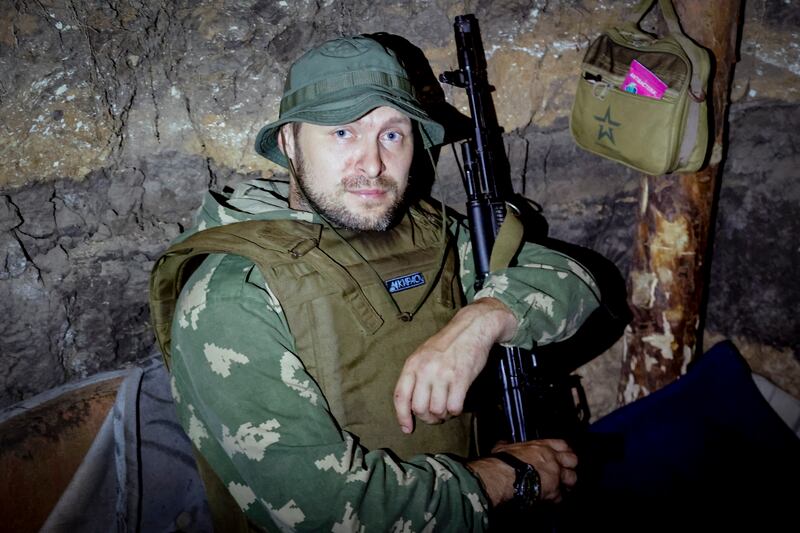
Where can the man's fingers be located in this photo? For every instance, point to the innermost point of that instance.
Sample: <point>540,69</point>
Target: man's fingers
<point>438,403</point>
<point>420,401</point>
<point>402,402</point>
<point>567,459</point>
<point>558,445</point>
<point>455,400</point>
<point>568,477</point>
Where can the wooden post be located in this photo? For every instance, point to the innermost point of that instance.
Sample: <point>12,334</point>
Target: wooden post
<point>668,274</point>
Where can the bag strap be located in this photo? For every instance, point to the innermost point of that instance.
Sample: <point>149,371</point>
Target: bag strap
<point>692,50</point>
<point>667,10</point>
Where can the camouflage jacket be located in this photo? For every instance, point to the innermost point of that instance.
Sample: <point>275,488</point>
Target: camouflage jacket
<point>239,388</point>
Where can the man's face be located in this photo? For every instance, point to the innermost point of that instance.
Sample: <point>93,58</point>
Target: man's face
<point>354,174</point>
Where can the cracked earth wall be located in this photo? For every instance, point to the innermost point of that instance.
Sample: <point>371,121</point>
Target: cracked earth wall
<point>116,116</point>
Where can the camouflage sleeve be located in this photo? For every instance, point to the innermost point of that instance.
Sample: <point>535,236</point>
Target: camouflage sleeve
<point>260,420</point>
<point>550,293</point>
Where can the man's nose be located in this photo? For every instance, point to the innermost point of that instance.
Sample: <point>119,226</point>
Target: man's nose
<point>371,161</point>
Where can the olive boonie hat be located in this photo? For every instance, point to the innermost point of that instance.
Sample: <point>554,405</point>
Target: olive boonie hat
<point>339,82</point>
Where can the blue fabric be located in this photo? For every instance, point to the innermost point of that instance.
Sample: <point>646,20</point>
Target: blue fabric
<point>706,452</point>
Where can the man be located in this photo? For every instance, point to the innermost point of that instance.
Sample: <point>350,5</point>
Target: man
<point>335,290</point>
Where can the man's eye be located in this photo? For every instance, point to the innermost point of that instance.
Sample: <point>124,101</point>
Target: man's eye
<point>340,133</point>
<point>393,136</point>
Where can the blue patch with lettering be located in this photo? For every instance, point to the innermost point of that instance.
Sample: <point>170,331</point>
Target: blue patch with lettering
<point>409,281</point>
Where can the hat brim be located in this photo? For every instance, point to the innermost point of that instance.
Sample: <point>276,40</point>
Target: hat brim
<point>331,112</point>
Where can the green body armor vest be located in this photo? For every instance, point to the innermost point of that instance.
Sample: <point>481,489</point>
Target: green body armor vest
<point>352,335</point>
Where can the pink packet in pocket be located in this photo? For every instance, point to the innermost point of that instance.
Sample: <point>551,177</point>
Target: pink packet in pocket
<point>643,82</point>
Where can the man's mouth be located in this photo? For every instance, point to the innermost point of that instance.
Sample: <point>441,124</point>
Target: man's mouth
<point>369,193</point>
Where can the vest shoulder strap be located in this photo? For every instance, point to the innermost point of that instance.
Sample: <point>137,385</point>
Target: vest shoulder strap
<point>251,239</point>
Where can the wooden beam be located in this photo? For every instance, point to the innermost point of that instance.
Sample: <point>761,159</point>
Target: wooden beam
<point>667,281</point>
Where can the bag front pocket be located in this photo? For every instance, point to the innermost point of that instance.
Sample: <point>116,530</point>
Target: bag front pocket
<point>637,131</point>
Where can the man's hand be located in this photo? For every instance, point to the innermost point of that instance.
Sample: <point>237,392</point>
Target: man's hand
<point>553,460</point>
<point>435,378</point>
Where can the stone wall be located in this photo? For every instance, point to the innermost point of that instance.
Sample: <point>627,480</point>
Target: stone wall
<point>116,116</point>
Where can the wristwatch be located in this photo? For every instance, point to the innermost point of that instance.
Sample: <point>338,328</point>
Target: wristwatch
<point>527,484</point>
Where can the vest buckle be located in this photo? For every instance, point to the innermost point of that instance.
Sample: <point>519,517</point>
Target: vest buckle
<point>405,316</point>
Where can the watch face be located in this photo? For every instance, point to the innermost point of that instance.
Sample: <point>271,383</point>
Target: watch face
<point>527,484</point>
<point>528,487</point>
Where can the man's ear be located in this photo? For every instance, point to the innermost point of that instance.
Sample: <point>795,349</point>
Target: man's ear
<point>286,140</point>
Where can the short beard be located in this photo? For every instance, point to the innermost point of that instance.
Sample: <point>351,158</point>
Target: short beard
<point>336,213</point>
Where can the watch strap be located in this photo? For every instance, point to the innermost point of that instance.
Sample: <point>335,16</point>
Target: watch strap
<point>511,460</point>
<point>522,495</point>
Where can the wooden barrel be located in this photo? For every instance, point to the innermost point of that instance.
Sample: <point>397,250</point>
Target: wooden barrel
<point>43,441</point>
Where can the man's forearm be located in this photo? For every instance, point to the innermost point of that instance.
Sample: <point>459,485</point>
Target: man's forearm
<point>436,377</point>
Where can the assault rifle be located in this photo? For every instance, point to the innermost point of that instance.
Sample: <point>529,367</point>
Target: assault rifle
<point>536,404</point>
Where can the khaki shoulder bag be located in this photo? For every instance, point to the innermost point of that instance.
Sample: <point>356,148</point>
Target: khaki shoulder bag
<point>641,100</point>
